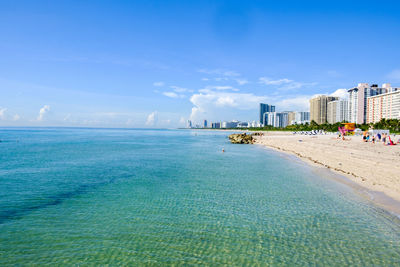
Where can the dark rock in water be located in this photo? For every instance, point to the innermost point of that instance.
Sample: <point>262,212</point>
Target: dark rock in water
<point>241,138</point>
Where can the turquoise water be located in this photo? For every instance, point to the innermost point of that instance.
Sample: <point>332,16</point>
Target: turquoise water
<point>164,197</point>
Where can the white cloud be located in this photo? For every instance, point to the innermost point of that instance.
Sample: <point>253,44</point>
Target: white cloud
<point>211,103</point>
<point>225,101</point>
<point>227,87</point>
<point>268,81</point>
<point>171,94</point>
<point>16,117</point>
<point>297,103</point>
<point>284,84</point>
<point>182,120</point>
<point>223,76</point>
<point>228,73</point>
<point>342,93</point>
<point>177,92</point>
<point>3,113</point>
<point>178,89</point>
<point>42,112</point>
<point>210,88</point>
<point>394,75</point>
<point>158,84</point>
<point>216,104</point>
<point>241,81</point>
<point>152,119</point>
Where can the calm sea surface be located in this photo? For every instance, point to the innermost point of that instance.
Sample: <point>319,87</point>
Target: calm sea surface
<point>160,197</point>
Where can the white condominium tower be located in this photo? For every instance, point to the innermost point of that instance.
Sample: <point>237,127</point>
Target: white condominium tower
<point>338,111</point>
<point>358,100</point>
<point>384,106</point>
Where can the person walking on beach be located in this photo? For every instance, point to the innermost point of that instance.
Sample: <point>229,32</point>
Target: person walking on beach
<point>373,139</point>
<point>384,138</point>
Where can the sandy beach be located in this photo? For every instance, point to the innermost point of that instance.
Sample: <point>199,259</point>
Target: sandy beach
<point>373,166</point>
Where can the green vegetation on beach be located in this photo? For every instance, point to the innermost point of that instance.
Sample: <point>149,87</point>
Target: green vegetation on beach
<point>393,125</point>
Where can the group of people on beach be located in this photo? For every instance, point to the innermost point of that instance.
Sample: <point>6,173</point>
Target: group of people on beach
<point>384,138</point>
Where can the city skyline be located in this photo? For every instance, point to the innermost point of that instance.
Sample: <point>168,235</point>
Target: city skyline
<point>361,104</point>
<point>159,64</point>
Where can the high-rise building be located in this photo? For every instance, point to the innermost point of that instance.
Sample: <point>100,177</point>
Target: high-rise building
<point>229,124</point>
<point>216,125</point>
<point>189,124</point>
<point>291,117</point>
<point>302,117</point>
<point>269,118</point>
<point>263,109</point>
<point>358,100</point>
<point>255,124</point>
<point>205,124</point>
<point>383,106</point>
<point>331,112</point>
<point>282,119</point>
<point>319,108</point>
<point>276,119</point>
<point>337,111</point>
<point>243,124</point>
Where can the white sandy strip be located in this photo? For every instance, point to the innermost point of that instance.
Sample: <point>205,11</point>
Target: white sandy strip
<point>374,166</point>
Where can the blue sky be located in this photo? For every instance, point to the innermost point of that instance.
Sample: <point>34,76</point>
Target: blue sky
<point>159,63</point>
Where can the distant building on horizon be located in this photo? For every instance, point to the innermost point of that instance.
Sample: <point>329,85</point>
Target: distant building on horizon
<point>205,124</point>
<point>263,109</point>
<point>229,124</point>
<point>189,124</point>
<point>276,119</point>
<point>255,124</point>
<point>300,117</point>
<point>243,124</point>
<point>319,108</point>
<point>291,117</point>
<point>215,125</point>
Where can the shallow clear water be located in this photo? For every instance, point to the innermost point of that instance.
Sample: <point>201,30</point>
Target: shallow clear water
<point>160,197</point>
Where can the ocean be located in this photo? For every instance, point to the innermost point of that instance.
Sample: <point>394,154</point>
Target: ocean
<point>71,196</point>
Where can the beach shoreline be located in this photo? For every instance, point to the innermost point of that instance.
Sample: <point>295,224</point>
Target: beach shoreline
<point>375,177</point>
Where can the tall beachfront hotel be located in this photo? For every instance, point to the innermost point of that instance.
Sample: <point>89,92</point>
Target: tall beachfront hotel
<point>383,106</point>
<point>264,108</point>
<point>358,102</point>
<point>358,98</point>
<point>338,111</point>
<point>319,108</point>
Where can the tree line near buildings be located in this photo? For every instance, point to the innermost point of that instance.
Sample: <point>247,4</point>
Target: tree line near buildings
<point>393,125</point>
